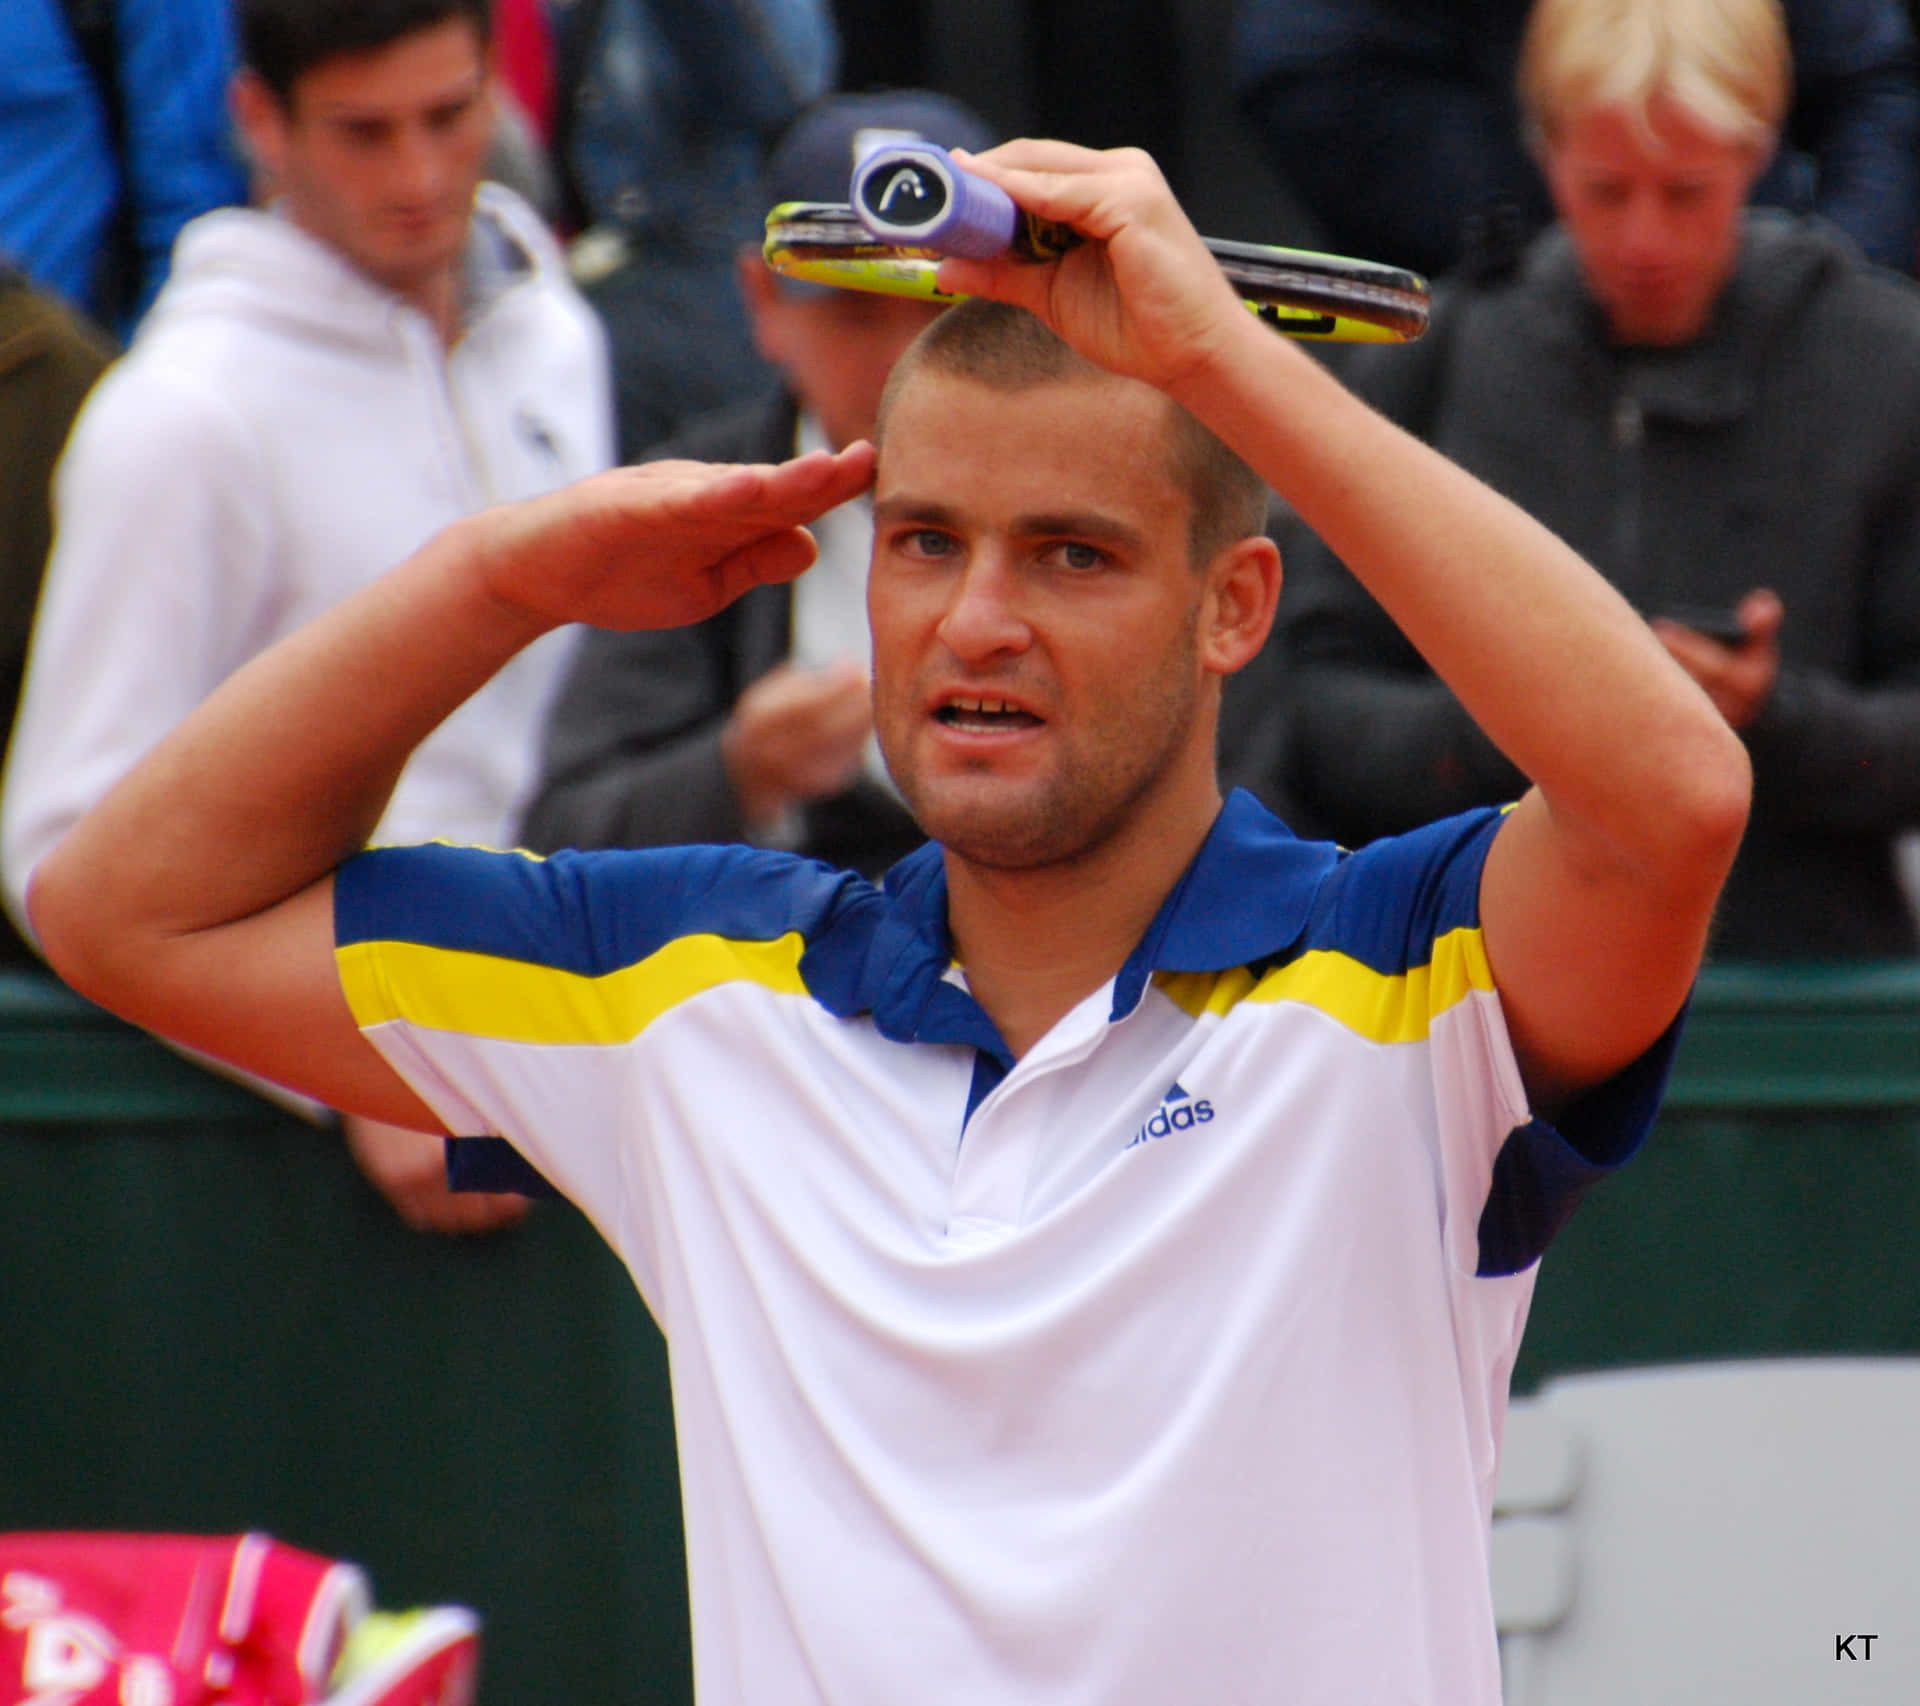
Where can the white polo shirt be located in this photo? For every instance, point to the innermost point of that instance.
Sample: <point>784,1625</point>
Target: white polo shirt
<point>1167,1363</point>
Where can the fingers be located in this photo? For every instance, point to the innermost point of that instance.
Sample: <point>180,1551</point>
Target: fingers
<point>408,1168</point>
<point>766,561</point>
<point>446,1213</point>
<point>768,495</point>
<point>1096,192</point>
<point>662,544</point>
<point>1738,679</point>
<point>765,506</point>
<point>797,735</point>
<point>1143,297</point>
<point>1093,190</point>
<point>1761,613</point>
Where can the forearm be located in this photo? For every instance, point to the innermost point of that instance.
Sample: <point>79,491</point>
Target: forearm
<point>1547,658</point>
<point>283,772</point>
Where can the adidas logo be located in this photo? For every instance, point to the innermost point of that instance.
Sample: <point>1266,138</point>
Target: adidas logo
<point>1178,1111</point>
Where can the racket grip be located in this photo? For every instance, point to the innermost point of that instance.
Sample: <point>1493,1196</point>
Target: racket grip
<point>913,193</point>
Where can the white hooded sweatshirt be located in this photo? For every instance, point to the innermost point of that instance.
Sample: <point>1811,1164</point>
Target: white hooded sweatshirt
<point>282,432</point>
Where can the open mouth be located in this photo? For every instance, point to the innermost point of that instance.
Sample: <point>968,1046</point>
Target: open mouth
<point>985,716</point>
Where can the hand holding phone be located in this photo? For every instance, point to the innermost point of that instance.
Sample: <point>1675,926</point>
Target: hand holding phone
<point>1714,621</point>
<point>1733,654</point>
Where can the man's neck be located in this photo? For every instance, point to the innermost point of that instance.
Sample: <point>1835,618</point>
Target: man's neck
<point>1036,943</point>
<point>439,299</point>
<point>440,296</point>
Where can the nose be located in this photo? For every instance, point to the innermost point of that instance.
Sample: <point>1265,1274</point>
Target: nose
<point>984,617</point>
<point>1643,230</point>
<point>416,163</point>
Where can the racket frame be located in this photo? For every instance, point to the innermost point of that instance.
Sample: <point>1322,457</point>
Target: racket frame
<point>1301,292</point>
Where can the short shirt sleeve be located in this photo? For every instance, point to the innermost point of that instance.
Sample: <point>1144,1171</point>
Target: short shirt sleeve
<point>1410,905</point>
<point>514,993</point>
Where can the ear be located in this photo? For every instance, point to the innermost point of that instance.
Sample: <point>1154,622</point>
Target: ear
<point>262,122</point>
<point>1243,591</point>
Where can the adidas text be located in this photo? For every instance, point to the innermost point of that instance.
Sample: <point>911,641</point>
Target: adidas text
<point>1177,1112</point>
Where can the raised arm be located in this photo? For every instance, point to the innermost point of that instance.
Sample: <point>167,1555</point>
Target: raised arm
<point>195,900</point>
<point>1600,887</point>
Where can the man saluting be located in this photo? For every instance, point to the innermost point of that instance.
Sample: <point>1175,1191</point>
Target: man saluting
<point>978,1396</point>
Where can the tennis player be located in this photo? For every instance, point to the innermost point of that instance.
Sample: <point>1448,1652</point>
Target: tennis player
<point>1092,1262</point>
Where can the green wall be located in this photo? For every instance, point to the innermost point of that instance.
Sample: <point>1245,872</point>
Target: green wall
<point>1775,1209</point>
<point>211,1323</point>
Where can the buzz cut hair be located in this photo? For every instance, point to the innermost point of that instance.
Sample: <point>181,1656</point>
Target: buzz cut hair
<point>1006,348</point>
<point>282,40</point>
<point>1725,63</point>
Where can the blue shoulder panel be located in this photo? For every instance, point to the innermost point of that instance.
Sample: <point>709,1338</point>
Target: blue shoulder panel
<point>589,913</point>
<point>1542,1171</point>
<point>1387,904</point>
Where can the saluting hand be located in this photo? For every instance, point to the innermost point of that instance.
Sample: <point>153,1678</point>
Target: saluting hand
<point>664,544</point>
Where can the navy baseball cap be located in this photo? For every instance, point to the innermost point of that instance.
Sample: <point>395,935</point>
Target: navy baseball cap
<point>814,157</point>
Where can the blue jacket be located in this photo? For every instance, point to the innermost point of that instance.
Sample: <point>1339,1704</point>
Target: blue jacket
<point>59,179</point>
<point>677,102</point>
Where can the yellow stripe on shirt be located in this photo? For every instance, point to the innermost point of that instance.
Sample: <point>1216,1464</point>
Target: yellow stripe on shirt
<point>447,989</point>
<point>1387,1007</point>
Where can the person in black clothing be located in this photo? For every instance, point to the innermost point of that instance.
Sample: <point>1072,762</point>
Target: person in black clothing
<point>1714,404</point>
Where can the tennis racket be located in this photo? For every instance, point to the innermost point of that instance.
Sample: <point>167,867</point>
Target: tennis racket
<point>910,205</point>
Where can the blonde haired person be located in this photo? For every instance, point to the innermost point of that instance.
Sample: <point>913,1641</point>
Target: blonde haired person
<point>1713,404</point>
<point>1726,62</point>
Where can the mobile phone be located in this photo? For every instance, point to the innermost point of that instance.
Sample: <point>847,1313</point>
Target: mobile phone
<point>1712,620</point>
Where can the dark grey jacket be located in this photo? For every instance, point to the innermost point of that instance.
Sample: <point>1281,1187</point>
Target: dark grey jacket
<point>632,755</point>
<point>1781,449</point>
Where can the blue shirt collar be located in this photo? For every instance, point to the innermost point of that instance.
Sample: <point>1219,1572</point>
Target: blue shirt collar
<point>1245,897</point>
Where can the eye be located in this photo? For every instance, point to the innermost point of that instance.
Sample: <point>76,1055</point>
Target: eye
<point>1077,554</point>
<point>449,117</point>
<point>925,542</point>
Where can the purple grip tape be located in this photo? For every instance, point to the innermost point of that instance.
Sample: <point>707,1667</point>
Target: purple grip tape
<point>913,193</point>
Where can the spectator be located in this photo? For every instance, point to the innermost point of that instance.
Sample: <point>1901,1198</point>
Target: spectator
<point>319,388</point>
<point>1394,121</point>
<point>113,134</point>
<point>756,724</point>
<point>1716,406</point>
<point>49,359</point>
<point>664,115</point>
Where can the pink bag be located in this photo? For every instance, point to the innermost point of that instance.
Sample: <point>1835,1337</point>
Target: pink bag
<point>178,1620</point>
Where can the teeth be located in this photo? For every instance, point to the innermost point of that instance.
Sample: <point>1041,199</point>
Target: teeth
<point>991,707</point>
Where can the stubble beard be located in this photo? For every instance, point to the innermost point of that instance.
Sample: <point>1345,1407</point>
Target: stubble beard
<point>1068,814</point>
